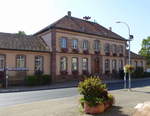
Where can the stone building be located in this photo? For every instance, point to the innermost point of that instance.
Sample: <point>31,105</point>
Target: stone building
<point>66,49</point>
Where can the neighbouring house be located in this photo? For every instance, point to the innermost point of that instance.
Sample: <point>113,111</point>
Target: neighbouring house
<point>66,49</point>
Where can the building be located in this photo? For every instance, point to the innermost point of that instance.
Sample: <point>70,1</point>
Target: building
<point>66,49</point>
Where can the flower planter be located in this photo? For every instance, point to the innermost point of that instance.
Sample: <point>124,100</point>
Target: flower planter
<point>75,50</point>
<point>64,72</point>
<point>107,54</point>
<point>85,52</point>
<point>97,52</point>
<point>94,109</point>
<point>64,50</point>
<point>75,72</point>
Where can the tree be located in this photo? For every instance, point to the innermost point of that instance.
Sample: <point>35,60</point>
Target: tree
<point>145,50</point>
<point>21,33</point>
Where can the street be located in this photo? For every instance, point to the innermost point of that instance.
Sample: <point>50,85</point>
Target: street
<point>8,99</point>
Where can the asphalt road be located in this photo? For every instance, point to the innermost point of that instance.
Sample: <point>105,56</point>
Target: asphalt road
<point>8,99</point>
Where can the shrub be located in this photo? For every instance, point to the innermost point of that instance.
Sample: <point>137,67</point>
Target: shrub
<point>38,80</point>
<point>138,73</point>
<point>31,80</point>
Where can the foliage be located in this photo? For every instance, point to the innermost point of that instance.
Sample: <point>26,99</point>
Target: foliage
<point>128,68</point>
<point>139,71</point>
<point>93,90</point>
<point>145,50</point>
<point>21,33</point>
<point>35,80</point>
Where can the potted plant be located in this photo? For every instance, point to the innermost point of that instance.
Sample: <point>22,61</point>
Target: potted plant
<point>94,94</point>
<point>64,50</point>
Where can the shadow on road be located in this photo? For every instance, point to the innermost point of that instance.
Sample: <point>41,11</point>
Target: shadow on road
<point>114,111</point>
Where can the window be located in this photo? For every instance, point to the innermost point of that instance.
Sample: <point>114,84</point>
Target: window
<point>63,64</point>
<point>63,43</point>
<point>114,64</point>
<point>141,63</point>
<point>114,48</point>
<point>39,63</point>
<point>107,65</point>
<point>96,45</point>
<point>85,64</point>
<point>20,61</point>
<point>120,64</point>
<point>74,44</point>
<point>74,64</point>
<point>85,44</point>
<point>135,64</point>
<point>121,49</point>
<point>107,48</point>
<point>2,61</point>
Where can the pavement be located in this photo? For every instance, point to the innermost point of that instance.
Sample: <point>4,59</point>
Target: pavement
<point>69,106</point>
<point>55,86</point>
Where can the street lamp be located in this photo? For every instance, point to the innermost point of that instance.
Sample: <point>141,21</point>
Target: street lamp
<point>130,38</point>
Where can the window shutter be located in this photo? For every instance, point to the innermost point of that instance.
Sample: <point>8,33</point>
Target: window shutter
<point>60,42</point>
<point>69,42</point>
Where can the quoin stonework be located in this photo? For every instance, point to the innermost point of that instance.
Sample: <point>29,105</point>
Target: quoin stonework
<point>66,49</point>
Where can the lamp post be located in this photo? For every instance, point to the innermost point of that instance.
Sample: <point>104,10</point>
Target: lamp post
<point>130,38</point>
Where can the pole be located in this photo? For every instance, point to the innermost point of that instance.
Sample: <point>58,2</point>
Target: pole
<point>129,64</point>
<point>125,80</point>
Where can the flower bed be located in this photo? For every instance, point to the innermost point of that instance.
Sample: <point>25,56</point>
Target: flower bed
<point>96,98</point>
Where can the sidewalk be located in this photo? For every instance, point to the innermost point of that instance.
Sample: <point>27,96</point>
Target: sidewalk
<point>69,106</point>
<point>52,86</point>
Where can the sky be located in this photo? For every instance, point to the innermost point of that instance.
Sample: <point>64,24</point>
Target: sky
<point>32,15</point>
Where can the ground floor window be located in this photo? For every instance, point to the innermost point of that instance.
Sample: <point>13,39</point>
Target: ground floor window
<point>20,61</point>
<point>107,65</point>
<point>74,64</point>
<point>114,65</point>
<point>120,64</point>
<point>2,61</point>
<point>39,63</point>
<point>63,64</point>
<point>85,64</point>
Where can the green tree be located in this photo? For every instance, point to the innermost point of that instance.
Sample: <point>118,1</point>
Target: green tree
<point>145,50</point>
<point>21,33</point>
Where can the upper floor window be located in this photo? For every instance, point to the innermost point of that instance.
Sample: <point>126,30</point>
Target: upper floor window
<point>107,48</point>
<point>2,61</point>
<point>114,48</point>
<point>85,44</point>
<point>74,64</point>
<point>96,45</point>
<point>74,44</point>
<point>20,61</point>
<point>136,64</point>
<point>63,64</point>
<point>107,65</point>
<point>121,48</point>
<point>63,42</point>
<point>84,64</point>
<point>39,63</point>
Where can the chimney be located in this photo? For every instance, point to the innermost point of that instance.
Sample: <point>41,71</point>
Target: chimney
<point>69,13</point>
<point>110,28</point>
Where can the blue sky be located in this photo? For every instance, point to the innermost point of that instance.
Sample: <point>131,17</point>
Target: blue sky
<point>32,15</point>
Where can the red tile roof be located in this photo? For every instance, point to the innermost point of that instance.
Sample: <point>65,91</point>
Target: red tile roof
<point>79,25</point>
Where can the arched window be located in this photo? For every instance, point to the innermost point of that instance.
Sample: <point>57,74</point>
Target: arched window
<point>114,65</point>
<point>107,65</point>
<point>74,64</point>
<point>85,64</point>
<point>63,64</point>
<point>120,64</point>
